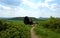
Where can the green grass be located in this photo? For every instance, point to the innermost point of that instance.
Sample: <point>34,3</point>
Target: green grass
<point>16,29</point>
<point>49,28</point>
<point>44,32</point>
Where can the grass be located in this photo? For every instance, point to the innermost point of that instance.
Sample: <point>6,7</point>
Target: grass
<point>45,33</point>
<point>16,29</point>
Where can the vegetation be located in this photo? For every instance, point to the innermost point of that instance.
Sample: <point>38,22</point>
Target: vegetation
<point>22,18</point>
<point>49,28</point>
<point>46,28</point>
<point>14,29</point>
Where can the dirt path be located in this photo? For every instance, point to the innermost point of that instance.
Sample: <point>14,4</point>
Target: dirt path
<point>33,35</point>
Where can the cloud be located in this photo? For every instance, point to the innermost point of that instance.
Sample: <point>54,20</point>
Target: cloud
<point>4,7</point>
<point>6,11</point>
<point>37,5</point>
<point>16,12</point>
<point>47,1</point>
<point>23,12</point>
<point>44,4</point>
<point>29,8</point>
<point>30,4</point>
<point>54,7</point>
<point>10,2</point>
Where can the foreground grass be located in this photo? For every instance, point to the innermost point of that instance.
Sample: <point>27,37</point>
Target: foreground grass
<point>15,29</point>
<point>45,32</point>
<point>49,28</point>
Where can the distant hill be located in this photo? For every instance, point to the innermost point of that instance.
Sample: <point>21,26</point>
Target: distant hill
<point>16,18</point>
<point>22,18</point>
<point>42,18</point>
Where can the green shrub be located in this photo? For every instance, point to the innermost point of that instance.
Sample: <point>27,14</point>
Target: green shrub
<point>49,28</point>
<point>14,29</point>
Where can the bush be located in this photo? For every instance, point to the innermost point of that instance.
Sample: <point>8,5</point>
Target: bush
<point>14,29</point>
<point>49,28</point>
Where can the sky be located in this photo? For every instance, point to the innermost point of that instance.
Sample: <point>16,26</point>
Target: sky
<point>31,8</point>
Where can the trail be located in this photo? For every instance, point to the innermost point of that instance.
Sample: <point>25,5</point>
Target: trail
<point>33,35</point>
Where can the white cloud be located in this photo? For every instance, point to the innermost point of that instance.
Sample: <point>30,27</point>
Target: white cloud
<point>27,2</point>
<point>36,5</point>
<point>54,14</point>
<point>6,11</point>
<point>47,1</point>
<point>23,12</point>
<point>16,12</point>
<point>5,7</point>
<point>53,7</point>
<point>33,5</point>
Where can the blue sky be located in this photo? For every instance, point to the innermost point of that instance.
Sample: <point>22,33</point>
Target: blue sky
<point>31,8</point>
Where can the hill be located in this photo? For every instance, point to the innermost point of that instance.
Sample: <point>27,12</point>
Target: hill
<point>22,18</point>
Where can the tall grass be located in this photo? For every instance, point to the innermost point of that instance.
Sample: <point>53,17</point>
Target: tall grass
<point>15,29</point>
<point>49,28</point>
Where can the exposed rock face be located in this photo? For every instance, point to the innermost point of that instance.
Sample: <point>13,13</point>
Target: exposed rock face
<point>27,21</point>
